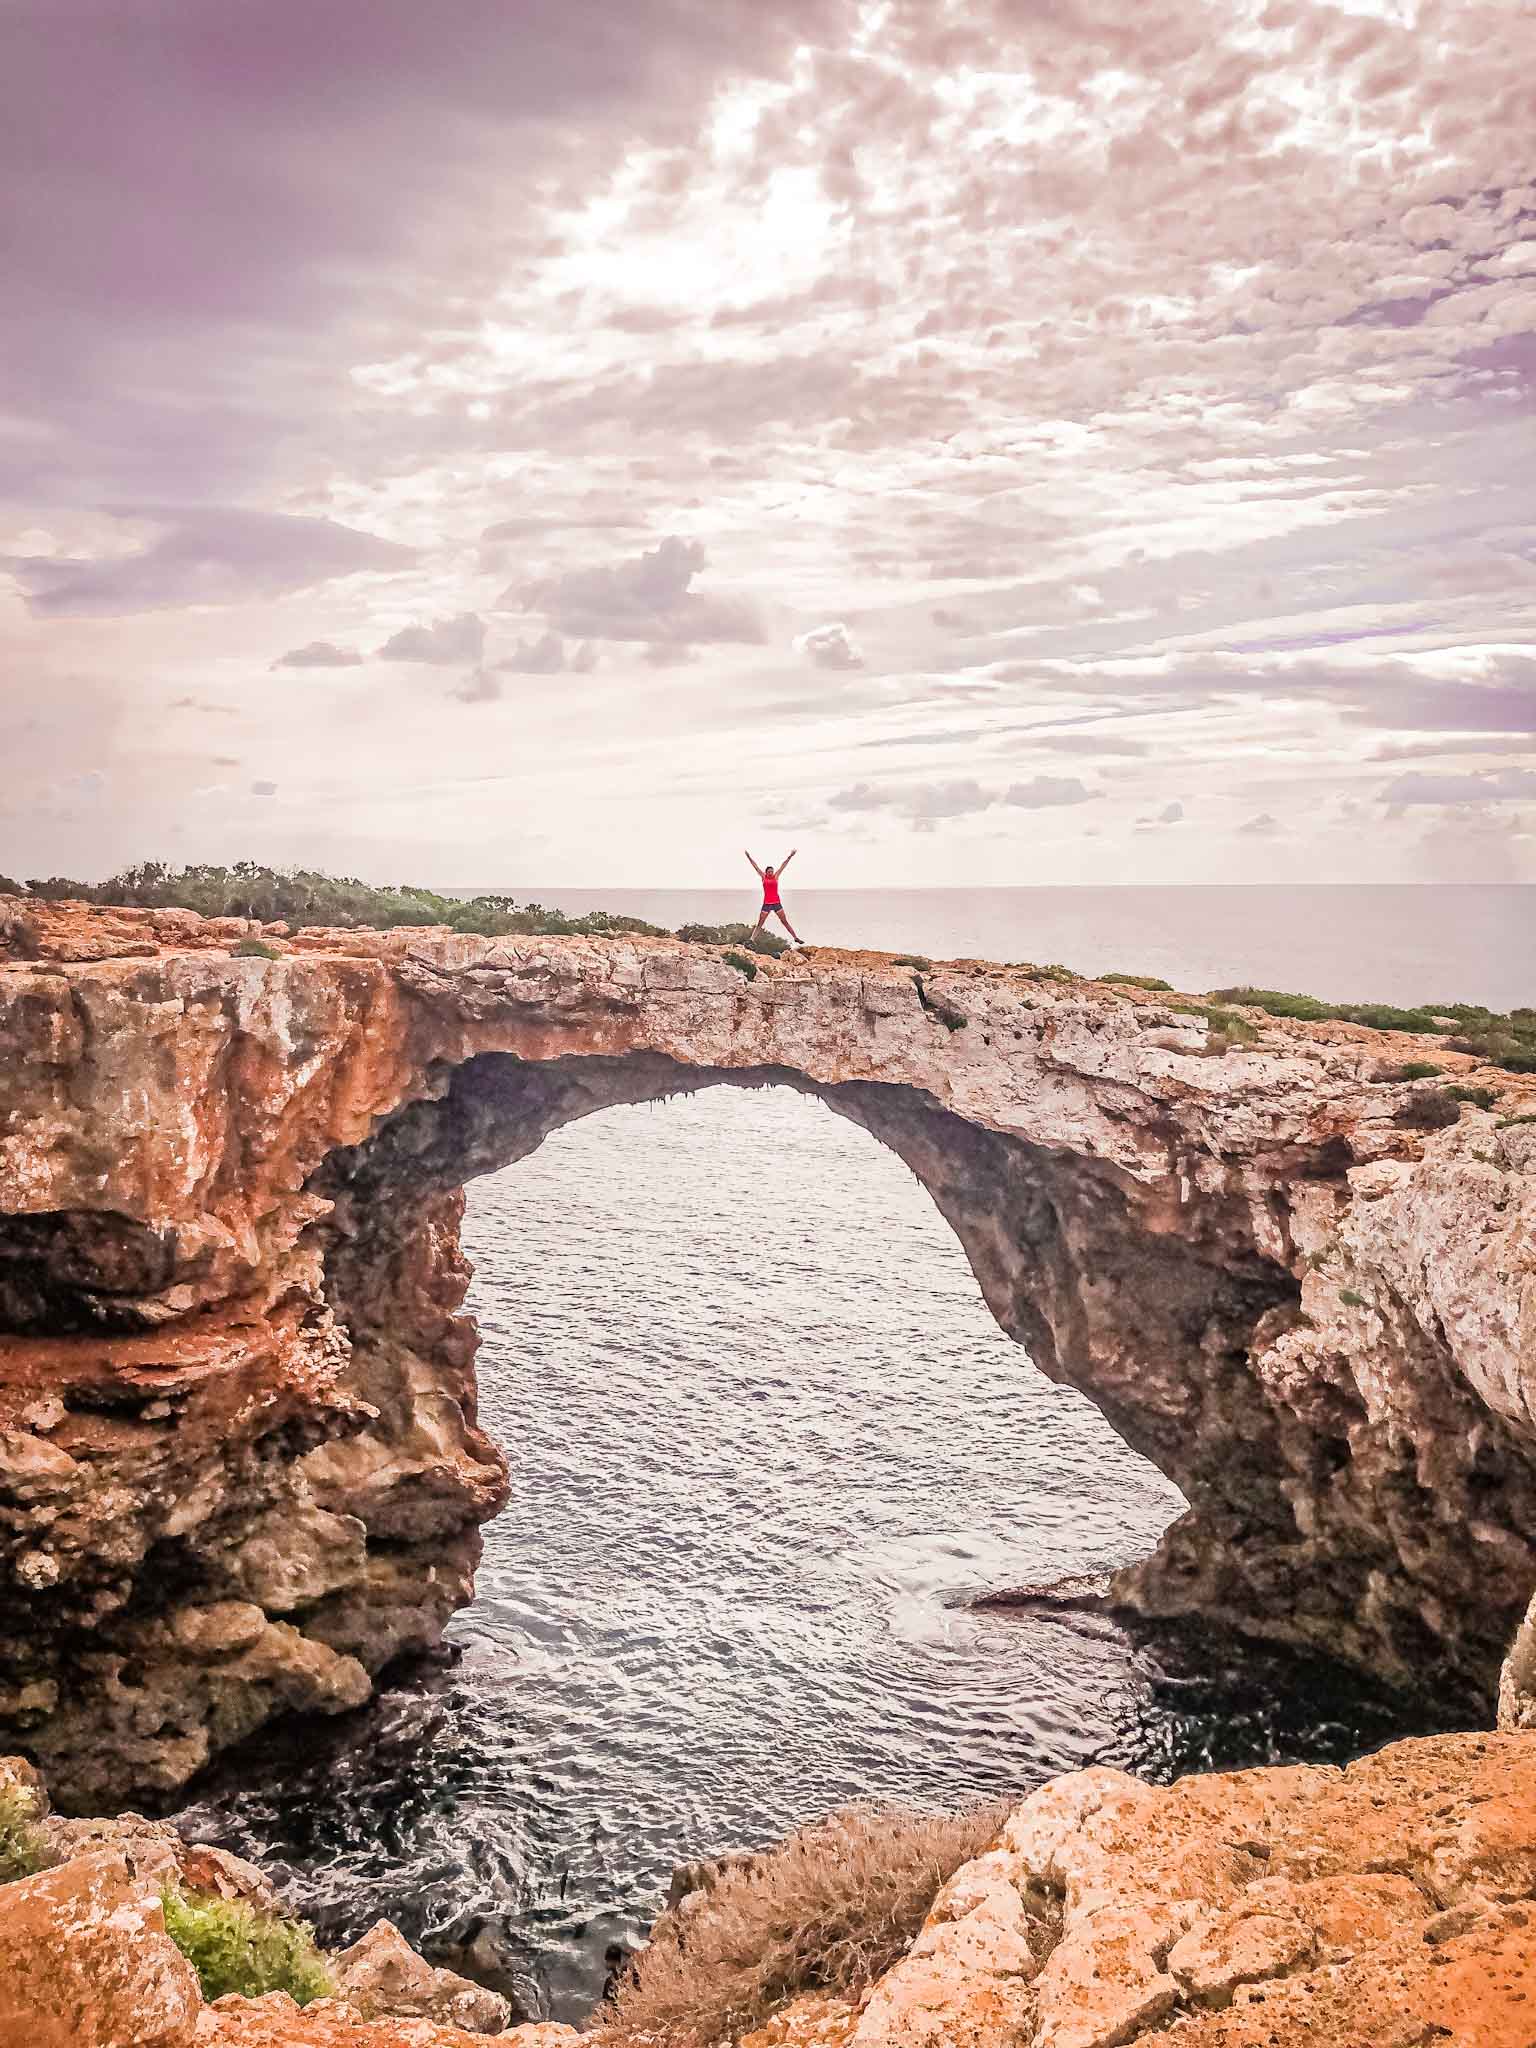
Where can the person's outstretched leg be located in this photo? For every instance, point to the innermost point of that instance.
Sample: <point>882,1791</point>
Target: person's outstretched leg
<point>784,920</point>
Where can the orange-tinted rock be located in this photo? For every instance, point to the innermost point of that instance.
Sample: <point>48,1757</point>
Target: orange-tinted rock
<point>382,1975</point>
<point>276,2022</point>
<point>85,1961</point>
<point>1390,1905</point>
<point>231,1290</point>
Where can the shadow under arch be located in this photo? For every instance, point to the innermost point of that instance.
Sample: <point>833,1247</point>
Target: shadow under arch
<point>1145,1305</point>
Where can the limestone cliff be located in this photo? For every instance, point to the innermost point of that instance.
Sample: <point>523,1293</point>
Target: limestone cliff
<point>240,1467</point>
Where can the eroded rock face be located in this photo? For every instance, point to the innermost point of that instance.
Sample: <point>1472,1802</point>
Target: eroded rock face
<point>1393,1902</point>
<point>240,1467</point>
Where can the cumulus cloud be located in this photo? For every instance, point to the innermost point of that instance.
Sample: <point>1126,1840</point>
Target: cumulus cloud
<point>479,687</point>
<point>830,646</point>
<point>215,555</point>
<point>1045,792</point>
<point>1498,786</point>
<point>648,598</point>
<point>1261,827</point>
<point>923,803</point>
<point>444,643</point>
<point>263,789</point>
<point>548,655</point>
<point>319,654</point>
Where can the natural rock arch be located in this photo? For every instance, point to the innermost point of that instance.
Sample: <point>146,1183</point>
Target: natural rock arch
<point>243,1468</point>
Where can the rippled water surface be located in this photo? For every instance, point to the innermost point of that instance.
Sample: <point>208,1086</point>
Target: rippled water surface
<point>765,1439</point>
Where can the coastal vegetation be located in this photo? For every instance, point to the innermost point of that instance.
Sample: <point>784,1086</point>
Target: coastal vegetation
<point>300,898</point>
<point>23,1851</point>
<point>733,935</point>
<point>235,1948</point>
<point>829,1909</point>
<point>1502,1038</point>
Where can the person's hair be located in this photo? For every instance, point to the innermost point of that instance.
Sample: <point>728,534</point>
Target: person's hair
<point>768,867</point>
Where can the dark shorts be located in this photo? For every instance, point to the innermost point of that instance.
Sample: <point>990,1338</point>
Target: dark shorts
<point>769,909</point>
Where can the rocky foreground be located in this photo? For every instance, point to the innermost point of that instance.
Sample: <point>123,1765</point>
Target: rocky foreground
<point>1390,1905</point>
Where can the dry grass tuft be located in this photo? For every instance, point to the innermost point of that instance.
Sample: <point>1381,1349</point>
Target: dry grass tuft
<point>830,1909</point>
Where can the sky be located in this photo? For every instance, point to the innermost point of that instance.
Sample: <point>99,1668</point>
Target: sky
<point>971,441</point>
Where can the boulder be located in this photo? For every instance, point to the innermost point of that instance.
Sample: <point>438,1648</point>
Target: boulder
<point>382,1975</point>
<point>85,1961</point>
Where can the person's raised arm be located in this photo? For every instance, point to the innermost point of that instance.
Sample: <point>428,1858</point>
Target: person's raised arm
<point>784,863</point>
<point>754,863</point>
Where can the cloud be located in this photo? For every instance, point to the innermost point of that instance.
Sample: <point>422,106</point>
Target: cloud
<point>1436,750</point>
<point>208,224</point>
<point>215,555</point>
<point>549,656</point>
<point>263,789</point>
<point>319,654</point>
<point>648,598</point>
<point>1261,827</point>
<point>830,647</point>
<point>1393,695</point>
<point>444,643</point>
<point>1499,786</point>
<point>1047,791</point>
<point>1087,743</point>
<point>479,687</point>
<point>923,803</point>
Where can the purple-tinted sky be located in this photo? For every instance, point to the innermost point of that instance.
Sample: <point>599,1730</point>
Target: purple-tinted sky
<point>978,440</point>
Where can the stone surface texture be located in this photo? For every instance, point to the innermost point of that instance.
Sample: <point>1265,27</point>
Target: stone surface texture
<point>240,1466</point>
<point>85,1961</point>
<point>382,1973</point>
<point>1388,1905</point>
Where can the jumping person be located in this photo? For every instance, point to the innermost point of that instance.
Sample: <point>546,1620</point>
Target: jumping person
<point>772,906</point>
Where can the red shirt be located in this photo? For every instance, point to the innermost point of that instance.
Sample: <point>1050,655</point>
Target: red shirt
<point>771,891</point>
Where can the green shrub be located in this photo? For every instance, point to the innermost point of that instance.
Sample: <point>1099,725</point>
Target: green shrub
<point>1150,981</point>
<point>1410,1070</point>
<point>301,897</point>
<point>1055,972</point>
<point>8,887</point>
<point>734,935</point>
<point>1500,1040</point>
<point>235,1948</point>
<point>23,1852</point>
<point>830,1909</point>
<point>1310,1009</point>
<point>1508,1123</point>
<point>912,960</point>
<point>59,889</point>
<point>1431,1109</point>
<point>1224,1028</point>
<point>742,965</point>
<point>255,949</point>
<point>1352,1300</point>
<point>1277,1003</point>
<point>1480,1098</point>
